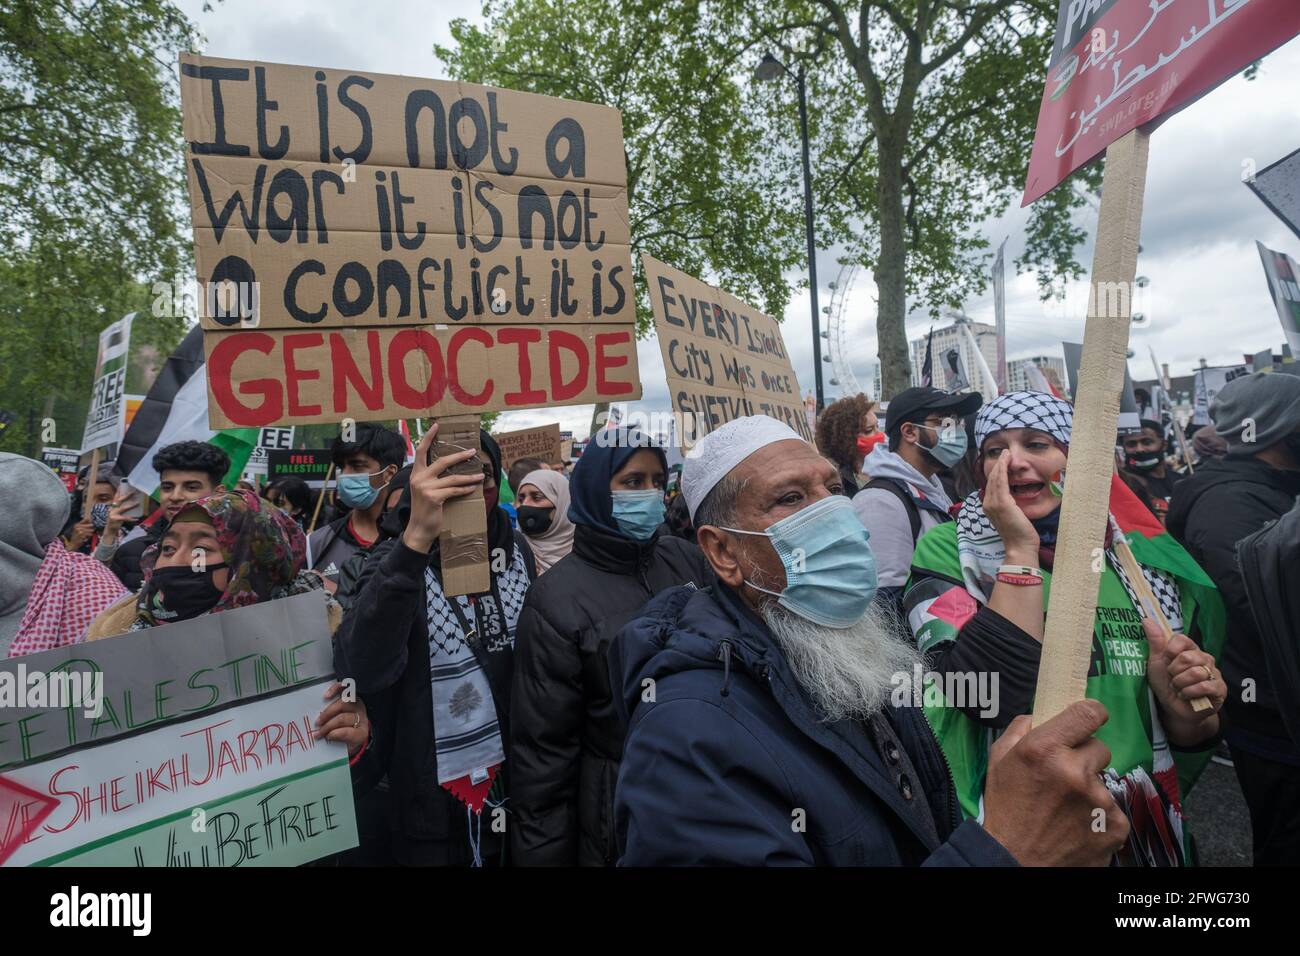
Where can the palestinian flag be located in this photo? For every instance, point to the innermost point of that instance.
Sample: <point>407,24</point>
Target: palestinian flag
<point>176,409</point>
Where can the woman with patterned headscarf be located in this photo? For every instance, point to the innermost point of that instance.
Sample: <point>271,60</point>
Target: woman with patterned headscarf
<point>977,601</point>
<point>224,552</point>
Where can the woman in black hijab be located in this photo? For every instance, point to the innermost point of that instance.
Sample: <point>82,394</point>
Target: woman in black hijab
<point>566,739</point>
<point>438,667</point>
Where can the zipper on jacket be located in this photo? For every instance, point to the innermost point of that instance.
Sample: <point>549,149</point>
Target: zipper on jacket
<point>724,655</point>
<point>954,813</point>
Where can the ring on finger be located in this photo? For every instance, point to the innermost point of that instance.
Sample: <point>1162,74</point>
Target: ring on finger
<point>357,723</point>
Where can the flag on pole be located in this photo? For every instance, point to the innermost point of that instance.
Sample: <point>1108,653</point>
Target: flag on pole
<point>1000,317</point>
<point>176,409</point>
<point>985,383</point>
<point>927,367</point>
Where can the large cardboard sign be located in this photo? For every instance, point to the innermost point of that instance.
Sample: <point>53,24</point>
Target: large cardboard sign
<point>185,744</point>
<point>1282,273</point>
<point>106,419</point>
<point>723,358</point>
<point>542,443</point>
<point>165,673</point>
<point>1119,64</point>
<point>375,247</point>
<point>247,786</point>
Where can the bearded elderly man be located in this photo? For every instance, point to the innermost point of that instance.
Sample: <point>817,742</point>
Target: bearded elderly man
<point>759,725</point>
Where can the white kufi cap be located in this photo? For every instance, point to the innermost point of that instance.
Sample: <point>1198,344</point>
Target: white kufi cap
<point>717,453</point>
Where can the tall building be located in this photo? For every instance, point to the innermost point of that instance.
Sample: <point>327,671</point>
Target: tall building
<point>949,337</point>
<point>1018,380</point>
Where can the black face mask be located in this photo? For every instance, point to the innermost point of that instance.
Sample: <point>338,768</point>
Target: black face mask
<point>180,593</point>
<point>1144,461</point>
<point>534,521</point>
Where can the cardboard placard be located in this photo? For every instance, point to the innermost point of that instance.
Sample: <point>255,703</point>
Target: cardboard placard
<point>462,543</point>
<point>399,247</point>
<point>106,419</point>
<point>542,443</point>
<point>262,378</point>
<point>723,358</point>
<point>163,673</point>
<point>265,792</point>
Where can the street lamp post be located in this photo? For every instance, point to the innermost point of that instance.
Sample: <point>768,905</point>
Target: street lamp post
<point>770,68</point>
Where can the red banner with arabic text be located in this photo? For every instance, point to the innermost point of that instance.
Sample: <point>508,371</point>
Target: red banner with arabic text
<point>1119,64</point>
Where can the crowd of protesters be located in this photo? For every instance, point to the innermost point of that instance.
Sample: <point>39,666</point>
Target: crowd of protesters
<point>793,653</point>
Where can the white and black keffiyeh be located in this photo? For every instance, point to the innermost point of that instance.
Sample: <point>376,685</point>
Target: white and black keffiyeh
<point>466,732</point>
<point>1039,410</point>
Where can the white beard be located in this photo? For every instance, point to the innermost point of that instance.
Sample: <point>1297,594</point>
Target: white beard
<point>848,672</point>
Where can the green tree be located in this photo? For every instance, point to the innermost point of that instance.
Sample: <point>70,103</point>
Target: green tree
<point>697,190</point>
<point>91,192</point>
<point>922,115</point>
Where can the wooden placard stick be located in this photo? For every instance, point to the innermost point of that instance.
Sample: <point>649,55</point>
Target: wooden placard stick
<point>88,496</point>
<point>1068,634</point>
<point>1147,601</point>
<point>329,473</point>
<point>463,543</point>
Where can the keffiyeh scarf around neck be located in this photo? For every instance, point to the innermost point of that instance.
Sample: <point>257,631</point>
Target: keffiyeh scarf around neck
<point>467,734</point>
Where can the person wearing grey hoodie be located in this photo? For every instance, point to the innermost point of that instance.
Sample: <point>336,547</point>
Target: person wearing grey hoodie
<point>904,498</point>
<point>25,531</point>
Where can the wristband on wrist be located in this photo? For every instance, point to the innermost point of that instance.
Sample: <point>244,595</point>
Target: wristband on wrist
<point>1020,575</point>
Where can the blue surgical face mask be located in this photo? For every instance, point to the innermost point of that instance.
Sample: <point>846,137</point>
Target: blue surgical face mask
<point>950,445</point>
<point>830,572</point>
<point>638,513</point>
<point>355,491</point>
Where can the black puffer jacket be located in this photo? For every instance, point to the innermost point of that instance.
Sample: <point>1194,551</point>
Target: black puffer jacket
<point>566,736</point>
<point>1226,500</point>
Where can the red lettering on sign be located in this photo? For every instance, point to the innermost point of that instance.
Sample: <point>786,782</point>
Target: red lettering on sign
<point>404,342</point>
<point>604,362</point>
<point>230,347</point>
<point>293,375</point>
<point>560,389</point>
<point>347,373</point>
<point>526,394</point>
<point>453,366</point>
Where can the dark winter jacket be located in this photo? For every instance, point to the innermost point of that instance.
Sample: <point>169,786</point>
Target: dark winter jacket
<point>1224,501</point>
<point>566,733</point>
<point>727,762</point>
<point>383,644</point>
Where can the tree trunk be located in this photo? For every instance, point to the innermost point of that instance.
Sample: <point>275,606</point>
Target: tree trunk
<point>891,273</point>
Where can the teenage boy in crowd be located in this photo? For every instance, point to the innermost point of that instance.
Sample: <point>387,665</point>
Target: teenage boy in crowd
<point>187,471</point>
<point>364,467</point>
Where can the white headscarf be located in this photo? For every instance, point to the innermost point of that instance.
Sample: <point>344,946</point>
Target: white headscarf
<point>557,540</point>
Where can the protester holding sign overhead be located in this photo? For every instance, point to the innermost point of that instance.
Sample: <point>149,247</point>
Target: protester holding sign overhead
<point>566,734</point>
<point>435,670</point>
<point>979,594</point>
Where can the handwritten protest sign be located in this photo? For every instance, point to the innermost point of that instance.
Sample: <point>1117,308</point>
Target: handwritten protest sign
<point>106,420</point>
<point>166,673</point>
<point>378,247</point>
<point>279,439</point>
<point>247,786</point>
<point>723,358</point>
<point>1119,64</point>
<point>542,443</point>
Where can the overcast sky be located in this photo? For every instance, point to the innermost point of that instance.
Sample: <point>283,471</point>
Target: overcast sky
<point>1207,299</point>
